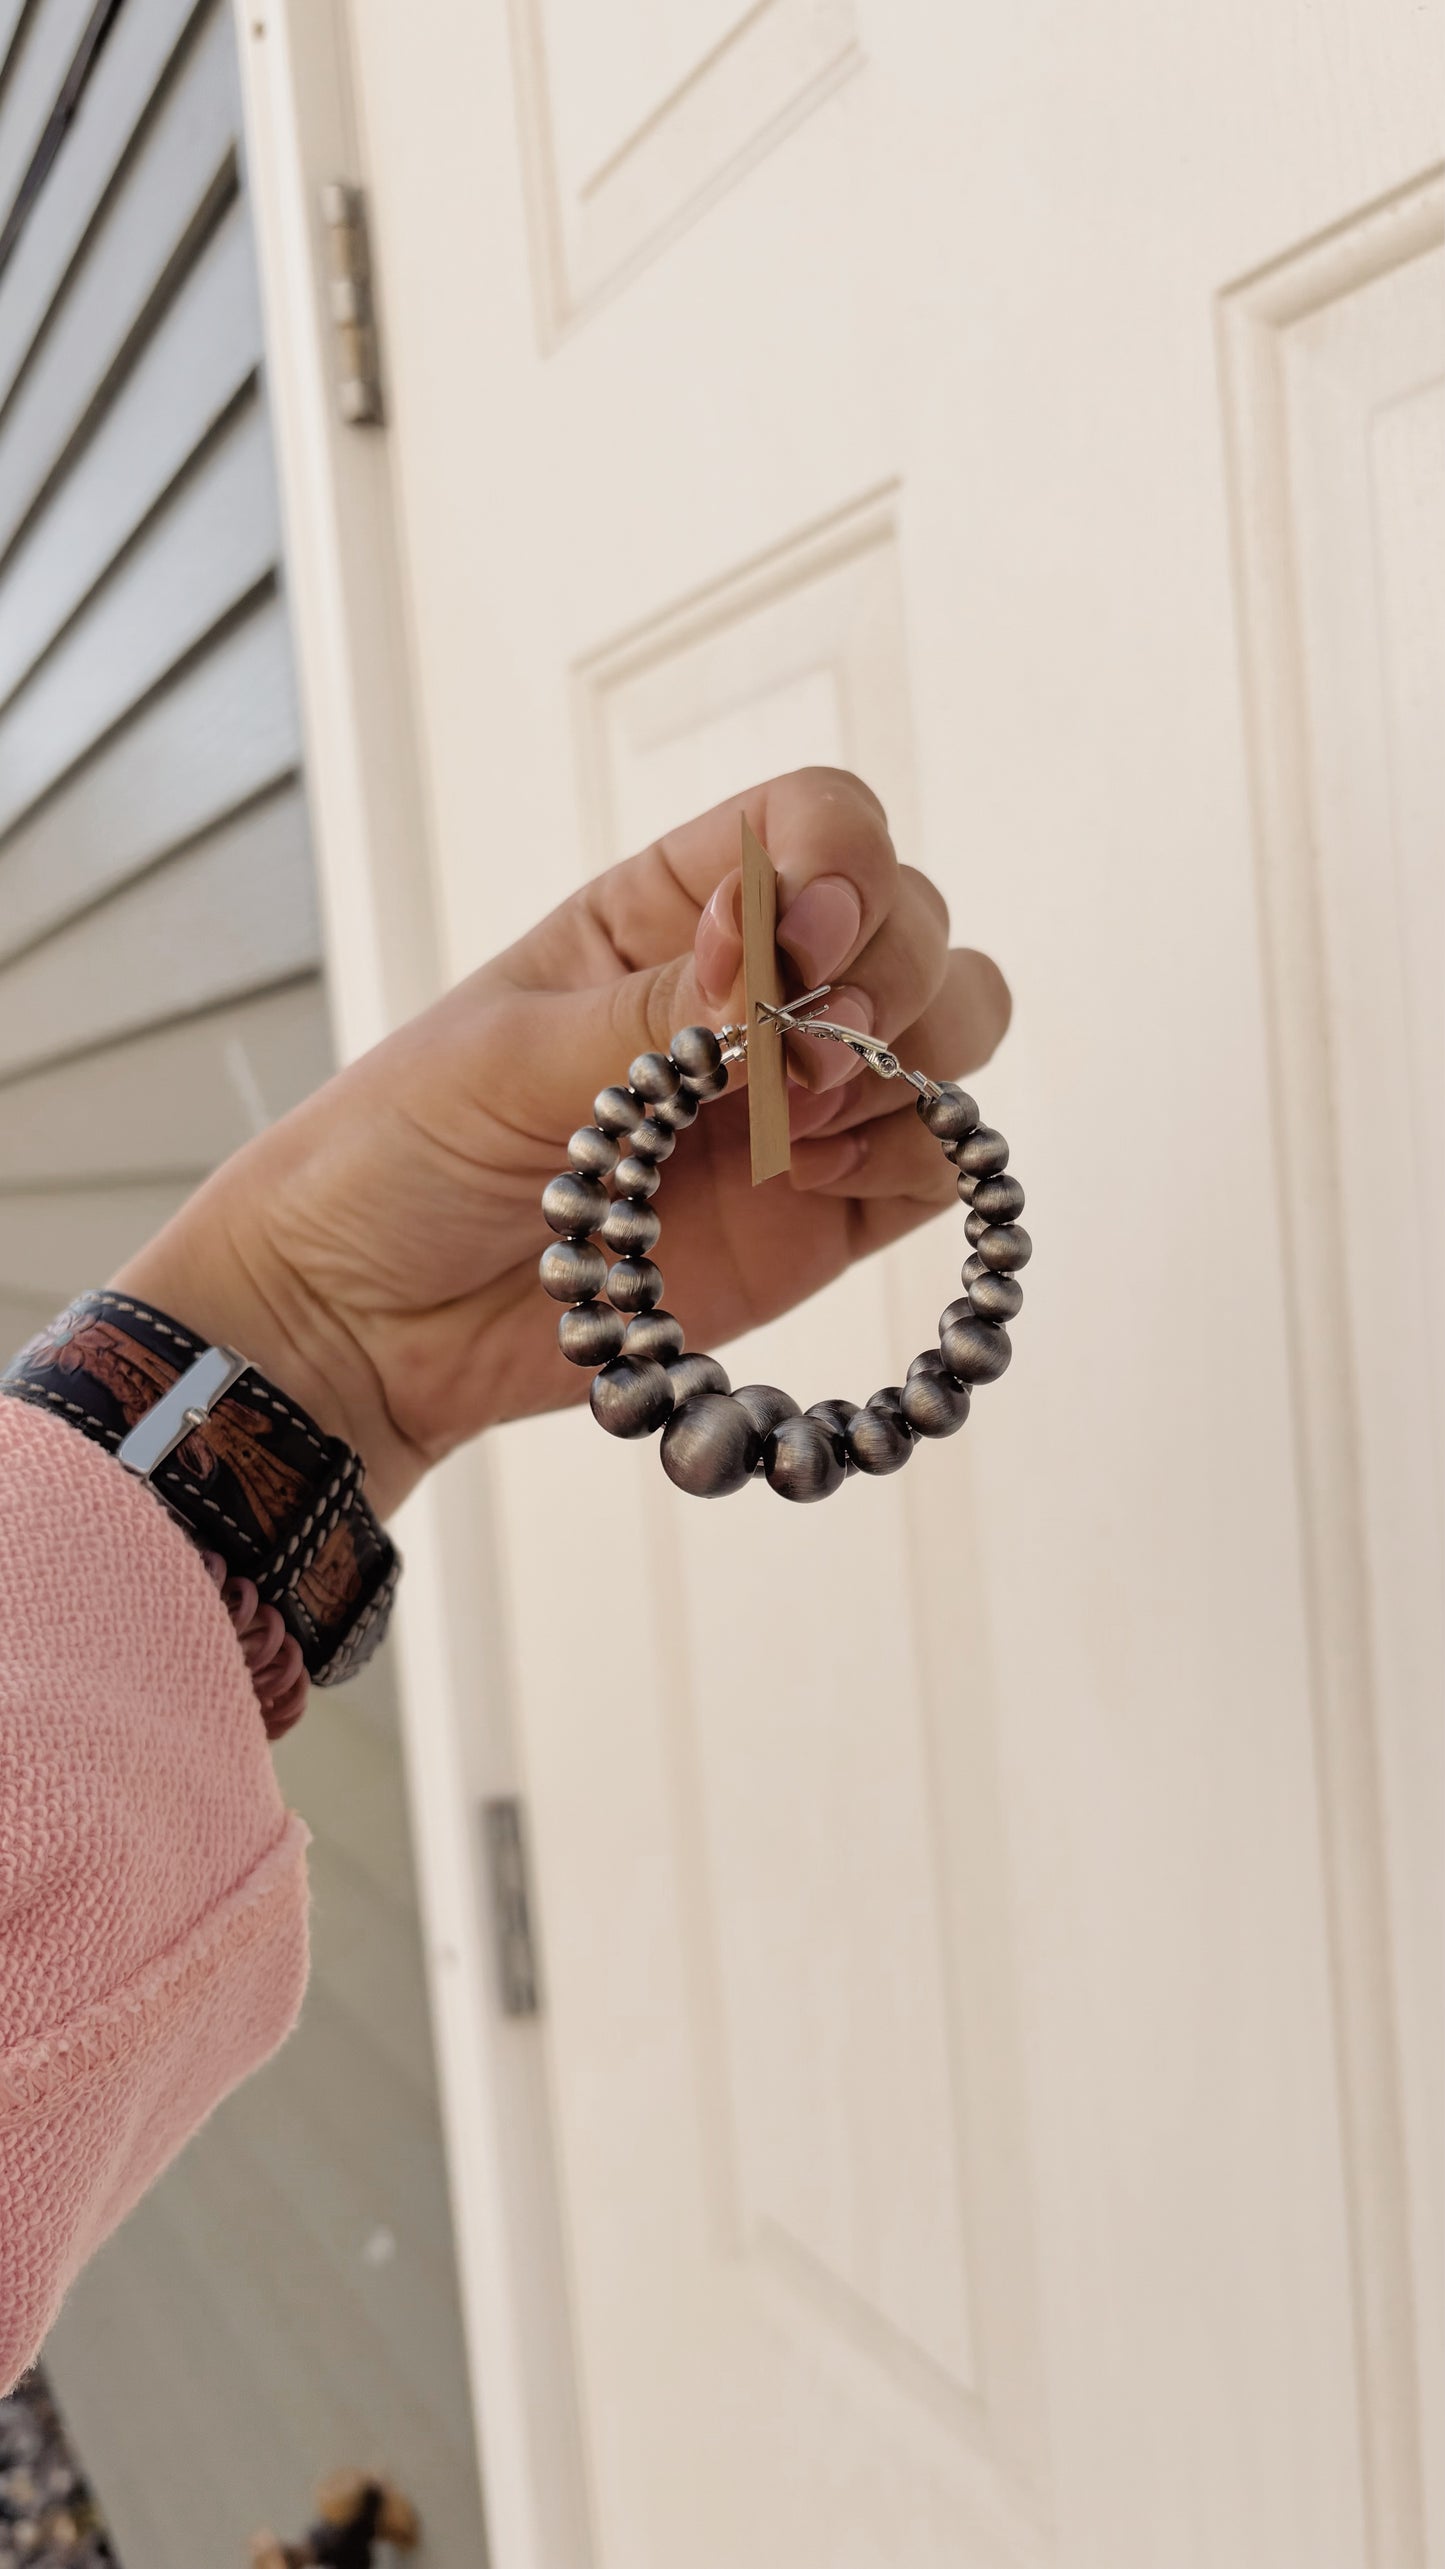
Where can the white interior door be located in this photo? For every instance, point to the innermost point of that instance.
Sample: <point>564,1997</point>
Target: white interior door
<point>987,2106</point>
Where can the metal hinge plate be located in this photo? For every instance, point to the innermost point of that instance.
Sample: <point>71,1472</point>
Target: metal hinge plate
<point>517,1977</point>
<point>348,300</point>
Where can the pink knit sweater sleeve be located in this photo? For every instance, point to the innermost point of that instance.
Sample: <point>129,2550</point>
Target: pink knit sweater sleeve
<point>152,1885</point>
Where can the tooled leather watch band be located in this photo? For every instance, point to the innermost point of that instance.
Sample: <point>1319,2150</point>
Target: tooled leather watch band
<point>248,1474</point>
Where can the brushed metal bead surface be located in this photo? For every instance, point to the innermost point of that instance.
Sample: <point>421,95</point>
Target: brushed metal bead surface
<point>973,1267</point>
<point>710,1447</point>
<point>951,1114</point>
<point>927,1361</point>
<point>676,1113</point>
<point>696,1051</point>
<point>975,1227</point>
<point>654,1333</point>
<point>650,1140</point>
<point>766,1405</point>
<point>1006,1249</point>
<point>934,1404</point>
<point>574,1204</point>
<point>631,1228</point>
<point>694,1373</point>
<point>879,1440</point>
<point>889,1398</point>
<point>975,1351</point>
<point>968,1186</point>
<point>997,1297</point>
<point>631,1397</point>
<point>636,1177</point>
<point>801,1460</point>
<point>592,1152</point>
<point>984,1153</point>
<point>834,1415</point>
<point>617,1109</point>
<point>634,1284</point>
<point>1001,1198</point>
<point>962,1309</point>
<point>653,1076</point>
<point>572,1270</point>
<point>590,1335</point>
<point>708,1083</point>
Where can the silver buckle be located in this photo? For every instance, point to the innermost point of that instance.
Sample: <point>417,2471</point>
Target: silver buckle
<point>187,1405</point>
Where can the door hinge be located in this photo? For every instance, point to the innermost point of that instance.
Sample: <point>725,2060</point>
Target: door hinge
<point>517,1977</point>
<point>348,300</point>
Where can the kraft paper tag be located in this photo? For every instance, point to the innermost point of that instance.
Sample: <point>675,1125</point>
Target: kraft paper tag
<point>767,1049</point>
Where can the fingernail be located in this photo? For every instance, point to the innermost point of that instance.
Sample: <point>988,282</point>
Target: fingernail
<point>829,1161</point>
<point>846,1008</point>
<point>820,929</point>
<point>717,948</point>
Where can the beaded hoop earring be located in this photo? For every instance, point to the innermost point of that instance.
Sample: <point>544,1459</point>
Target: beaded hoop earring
<point>714,1438</point>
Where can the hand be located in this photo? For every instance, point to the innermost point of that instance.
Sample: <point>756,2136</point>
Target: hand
<point>376,1252</point>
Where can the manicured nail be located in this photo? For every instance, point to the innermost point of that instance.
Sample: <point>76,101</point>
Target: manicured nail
<point>836,1063</point>
<point>820,929</point>
<point>717,949</point>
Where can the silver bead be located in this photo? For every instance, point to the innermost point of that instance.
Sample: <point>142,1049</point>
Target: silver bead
<point>934,1404</point>
<point>972,1269</point>
<point>654,1333</point>
<point>890,1398</point>
<point>709,1083</point>
<point>617,1109</point>
<point>710,1447</point>
<point>962,1309</point>
<point>591,1151</point>
<point>1000,1198</point>
<point>676,1113</point>
<point>696,1373</point>
<point>653,1076</point>
<point>634,1284</point>
<point>951,1114</point>
<point>635,1177</point>
<point>879,1440</point>
<point>984,1153</point>
<point>631,1228</point>
<point>631,1397</point>
<point>696,1051</point>
<point>574,1204</point>
<point>1006,1248</point>
<point>650,1140</point>
<point>765,1405</point>
<point>927,1361</point>
<point>967,1185</point>
<point>975,1351</point>
<point>591,1334</point>
<point>834,1415</point>
<point>572,1270</point>
<point>998,1297</point>
<point>801,1459</point>
<point>974,1228</point>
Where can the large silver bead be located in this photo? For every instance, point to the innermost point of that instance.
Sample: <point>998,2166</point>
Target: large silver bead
<point>984,1153</point>
<point>574,1204</point>
<point>927,1361</point>
<point>951,1114</point>
<point>650,1140</point>
<point>696,1051</point>
<point>633,1176</point>
<point>975,1351</point>
<point>634,1284</point>
<point>710,1447</point>
<point>653,1076</point>
<point>765,1405</point>
<point>654,1333</point>
<point>696,1373</point>
<point>617,1109</point>
<point>890,1398</point>
<point>710,1083</point>
<point>934,1404</point>
<point>591,1334</point>
<point>968,1186</point>
<point>974,1228</point>
<point>801,1459</point>
<point>631,1228</point>
<point>835,1415</point>
<point>878,1440</point>
<point>631,1397</point>
<point>997,1297</point>
<point>572,1270</point>
<point>1006,1249</point>
<point>591,1151</point>
<point>676,1112</point>
<point>1001,1199</point>
<point>973,1268</point>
